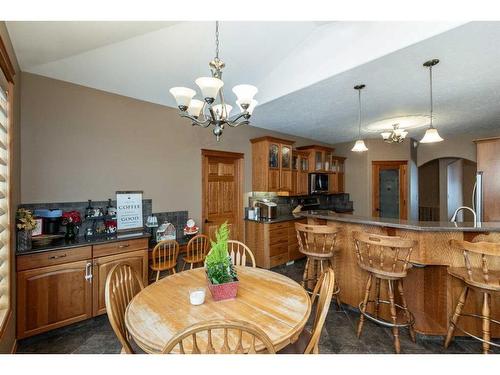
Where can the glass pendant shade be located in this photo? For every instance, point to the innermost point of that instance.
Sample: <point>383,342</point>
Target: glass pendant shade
<point>431,136</point>
<point>385,135</point>
<point>195,107</point>
<point>182,95</point>
<point>245,93</point>
<point>218,110</point>
<point>359,146</point>
<point>209,86</point>
<point>250,108</point>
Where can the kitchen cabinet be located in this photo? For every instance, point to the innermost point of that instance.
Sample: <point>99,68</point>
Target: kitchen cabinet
<point>60,287</point>
<point>300,171</point>
<point>101,267</point>
<point>488,161</point>
<point>53,296</point>
<point>273,244</point>
<point>320,158</point>
<point>271,164</point>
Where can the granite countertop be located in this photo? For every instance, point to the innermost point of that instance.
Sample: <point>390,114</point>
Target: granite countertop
<point>61,243</point>
<point>279,219</point>
<point>425,226</point>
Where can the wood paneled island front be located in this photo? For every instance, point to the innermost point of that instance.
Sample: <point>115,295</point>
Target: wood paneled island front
<point>430,292</point>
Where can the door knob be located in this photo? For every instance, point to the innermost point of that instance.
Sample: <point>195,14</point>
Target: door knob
<point>208,221</point>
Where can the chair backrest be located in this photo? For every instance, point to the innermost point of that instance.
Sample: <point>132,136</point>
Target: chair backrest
<point>240,253</point>
<point>122,284</point>
<point>198,246</point>
<point>479,258</point>
<point>325,287</point>
<point>389,255</point>
<point>316,239</point>
<point>238,337</point>
<point>165,252</point>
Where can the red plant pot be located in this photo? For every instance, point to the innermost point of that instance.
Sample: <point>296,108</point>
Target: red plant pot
<point>223,291</point>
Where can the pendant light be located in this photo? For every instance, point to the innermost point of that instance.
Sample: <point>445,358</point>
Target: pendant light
<point>359,146</point>
<point>431,134</point>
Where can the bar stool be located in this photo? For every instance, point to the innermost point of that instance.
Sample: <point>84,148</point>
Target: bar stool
<point>476,275</point>
<point>318,243</point>
<point>385,258</point>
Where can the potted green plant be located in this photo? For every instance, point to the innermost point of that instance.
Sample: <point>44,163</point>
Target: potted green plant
<point>25,225</point>
<point>222,280</point>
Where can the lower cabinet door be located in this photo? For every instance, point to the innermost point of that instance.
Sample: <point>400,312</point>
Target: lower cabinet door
<point>102,265</point>
<point>53,296</point>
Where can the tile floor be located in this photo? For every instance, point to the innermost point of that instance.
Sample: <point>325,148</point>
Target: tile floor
<point>96,336</point>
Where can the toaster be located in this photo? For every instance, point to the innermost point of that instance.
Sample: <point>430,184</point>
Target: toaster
<point>268,210</point>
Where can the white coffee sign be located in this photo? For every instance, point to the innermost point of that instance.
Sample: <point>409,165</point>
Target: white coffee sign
<point>129,210</point>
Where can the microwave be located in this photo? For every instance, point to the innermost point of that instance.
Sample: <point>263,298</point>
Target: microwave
<point>318,183</point>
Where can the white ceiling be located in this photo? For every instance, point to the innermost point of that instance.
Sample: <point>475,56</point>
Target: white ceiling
<point>305,71</point>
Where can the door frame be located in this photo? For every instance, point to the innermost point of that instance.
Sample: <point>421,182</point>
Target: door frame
<point>403,185</point>
<point>238,157</point>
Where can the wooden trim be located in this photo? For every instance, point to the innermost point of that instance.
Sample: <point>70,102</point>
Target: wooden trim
<point>272,139</point>
<point>14,347</point>
<point>6,63</point>
<point>485,139</point>
<point>8,316</point>
<point>317,147</point>
<point>403,185</point>
<point>222,154</point>
<point>239,178</point>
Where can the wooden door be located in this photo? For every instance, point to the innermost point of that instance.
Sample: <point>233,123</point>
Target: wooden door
<point>52,297</point>
<point>137,259</point>
<point>488,161</point>
<point>398,189</point>
<point>222,192</point>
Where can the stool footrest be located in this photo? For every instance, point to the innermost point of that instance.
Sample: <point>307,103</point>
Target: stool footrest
<point>472,335</point>
<point>383,322</point>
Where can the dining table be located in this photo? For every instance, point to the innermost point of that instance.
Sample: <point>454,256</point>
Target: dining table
<point>273,302</point>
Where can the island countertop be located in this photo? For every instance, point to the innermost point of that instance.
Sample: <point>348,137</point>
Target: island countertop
<point>424,226</point>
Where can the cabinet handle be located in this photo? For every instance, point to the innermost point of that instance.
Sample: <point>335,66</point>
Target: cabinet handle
<point>57,256</point>
<point>88,271</point>
<point>122,246</point>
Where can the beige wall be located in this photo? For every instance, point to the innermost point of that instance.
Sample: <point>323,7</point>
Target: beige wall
<point>7,338</point>
<point>80,143</point>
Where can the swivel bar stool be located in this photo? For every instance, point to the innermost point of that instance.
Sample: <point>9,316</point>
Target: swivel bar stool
<point>318,243</point>
<point>385,258</point>
<point>479,257</point>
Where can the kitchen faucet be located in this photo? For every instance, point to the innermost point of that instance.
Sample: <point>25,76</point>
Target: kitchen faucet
<point>454,217</point>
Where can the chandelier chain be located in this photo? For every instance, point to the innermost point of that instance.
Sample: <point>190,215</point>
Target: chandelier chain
<point>217,40</point>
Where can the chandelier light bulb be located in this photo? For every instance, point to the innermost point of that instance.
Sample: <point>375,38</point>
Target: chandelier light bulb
<point>245,93</point>
<point>209,87</point>
<point>250,108</point>
<point>195,107</point>
<point>183,96</point>
<point>218,109</point>
<point>385,135</point>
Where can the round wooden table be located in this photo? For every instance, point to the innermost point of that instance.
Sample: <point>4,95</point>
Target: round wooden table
<point>276,303</point>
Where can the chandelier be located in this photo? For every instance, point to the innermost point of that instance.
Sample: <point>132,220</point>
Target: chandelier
<point>397,135</point>
<point>431,134</point>
<point>211,111</point>
<point>359,145</point>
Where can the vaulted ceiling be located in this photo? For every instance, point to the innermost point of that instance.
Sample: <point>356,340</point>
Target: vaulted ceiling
<point>305,71</point>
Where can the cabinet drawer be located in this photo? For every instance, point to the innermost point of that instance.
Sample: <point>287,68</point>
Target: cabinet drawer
<point>277,226</point>
<point>278,249</point>
<point>119,247</point>
<point>51,258</point>
<point>278,260</point>
<point>278,235</point>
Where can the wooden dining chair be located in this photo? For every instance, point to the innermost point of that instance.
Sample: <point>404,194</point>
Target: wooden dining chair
<point>481,274</point>
<point>239,337</point>
<point>196,251</point>
<point>122,284</point>
<point>165,255</point>
<point>240,253</point>
<point>308,341</point>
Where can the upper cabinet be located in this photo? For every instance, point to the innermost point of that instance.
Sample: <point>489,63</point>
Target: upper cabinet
<point>488,162</point>
<point>272,164</point>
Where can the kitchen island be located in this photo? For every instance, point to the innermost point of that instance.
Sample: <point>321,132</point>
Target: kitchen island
<point>431,293</point>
